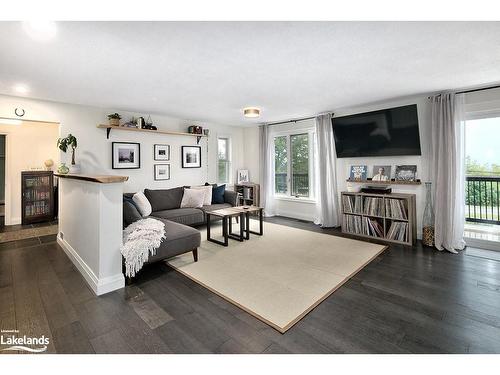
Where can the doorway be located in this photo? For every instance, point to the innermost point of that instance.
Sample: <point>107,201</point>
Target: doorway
<point>482,186</point>
<point>25,147</point>
<point>2,180</point>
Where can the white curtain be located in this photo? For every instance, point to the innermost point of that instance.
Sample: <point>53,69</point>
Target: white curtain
<point>327,207</point>
<point>448,170</point>
<point>266,151</point>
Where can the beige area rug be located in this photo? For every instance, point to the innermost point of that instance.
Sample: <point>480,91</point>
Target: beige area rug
<point>28,233</point>
<point>280,276</point>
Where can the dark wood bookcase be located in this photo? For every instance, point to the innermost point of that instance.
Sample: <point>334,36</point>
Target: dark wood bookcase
<point>248,194</point>
<point>37,196</point>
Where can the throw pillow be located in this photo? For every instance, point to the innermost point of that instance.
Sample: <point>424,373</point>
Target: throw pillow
<point>142,203</point>
<point>193,198</point>
<point>164,199</point>
<point>130,213</point>
<point>208,194</point>
<point>218,194</point>
<point>128,199</point>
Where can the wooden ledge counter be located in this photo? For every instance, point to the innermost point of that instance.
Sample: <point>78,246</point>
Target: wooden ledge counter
<point>102,179</point>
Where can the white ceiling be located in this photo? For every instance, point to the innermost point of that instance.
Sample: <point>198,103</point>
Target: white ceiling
<point>209,71</point>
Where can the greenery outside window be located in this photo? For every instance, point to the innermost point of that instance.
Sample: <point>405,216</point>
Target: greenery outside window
<point>293,165</point>
<point>223,160</point>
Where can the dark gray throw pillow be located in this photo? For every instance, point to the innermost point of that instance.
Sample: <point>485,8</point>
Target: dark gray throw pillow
<point>130,213</point>
<point>166,199</point>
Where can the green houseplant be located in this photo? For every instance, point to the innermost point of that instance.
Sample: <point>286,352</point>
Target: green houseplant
<point>114,119</point>
<point>64,144</point>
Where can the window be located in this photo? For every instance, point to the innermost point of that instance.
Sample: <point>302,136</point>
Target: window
<point>293,165</point>
<point>223,160</point>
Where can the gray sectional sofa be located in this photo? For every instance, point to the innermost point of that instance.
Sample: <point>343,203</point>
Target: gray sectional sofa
<point>181,237</point>
<point>166,204</point>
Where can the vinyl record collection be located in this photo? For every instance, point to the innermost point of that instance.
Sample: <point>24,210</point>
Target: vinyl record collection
<point>398,231</point>
<point>372,216</point>
<point>352,203</point>
<point>372,227</point>
<point>395,209</point>
<point>373,206</point>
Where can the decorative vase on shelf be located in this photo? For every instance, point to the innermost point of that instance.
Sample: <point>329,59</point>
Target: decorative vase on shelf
<point>428,219</point>
<point>63,169</point>
<point>74,168</point>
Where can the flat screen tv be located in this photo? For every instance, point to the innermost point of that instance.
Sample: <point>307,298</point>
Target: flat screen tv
<point>387,132</point>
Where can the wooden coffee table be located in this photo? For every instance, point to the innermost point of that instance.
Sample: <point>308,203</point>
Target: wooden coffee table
<point>247,210</point>
<point>227,214</point>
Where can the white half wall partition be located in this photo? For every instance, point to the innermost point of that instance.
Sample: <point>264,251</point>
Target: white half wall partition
<point>90,228</point>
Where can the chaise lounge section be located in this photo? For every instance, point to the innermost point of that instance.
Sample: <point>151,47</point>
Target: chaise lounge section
<point>181,237</point>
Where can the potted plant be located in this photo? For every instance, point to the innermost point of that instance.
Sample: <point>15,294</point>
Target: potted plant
<point>114,119</point>
<point>63,144</point>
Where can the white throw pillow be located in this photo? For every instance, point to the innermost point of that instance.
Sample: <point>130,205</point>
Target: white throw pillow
<point>207,201</point>
<point>193,198</point>
<point>142,204</point>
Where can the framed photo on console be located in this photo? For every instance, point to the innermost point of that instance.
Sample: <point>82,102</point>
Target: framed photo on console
<point>191,157</point>
<point>406,173</point>
<point>358,173</point>
<point>126,155</point>
<point>381,173</point>
<point>161,152</point>
<point>243,176</point>
<point>162,172</point>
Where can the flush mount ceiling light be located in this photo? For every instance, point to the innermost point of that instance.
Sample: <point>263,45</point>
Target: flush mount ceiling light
<point>251,112</point>
<point>40,30</point>
<point>20,88</point>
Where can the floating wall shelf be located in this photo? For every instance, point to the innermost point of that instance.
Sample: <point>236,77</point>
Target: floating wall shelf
<point>123,128</point>
<point>385,182</point>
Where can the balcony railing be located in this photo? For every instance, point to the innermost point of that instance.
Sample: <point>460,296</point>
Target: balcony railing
<point>482,199</point>
<point>300,184</point>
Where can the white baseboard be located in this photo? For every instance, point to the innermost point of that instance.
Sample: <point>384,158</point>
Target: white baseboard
<point>98,286</point>
<point>295,215</point>
<point>482,244</point>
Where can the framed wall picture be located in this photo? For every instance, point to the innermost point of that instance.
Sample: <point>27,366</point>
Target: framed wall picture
<point>406,172</point>
<point>381,173</point>
<point>162,152</point>
<point>162,172</point>
<point>126,155</point>
<point>191,157</point>
<point>243,176</point>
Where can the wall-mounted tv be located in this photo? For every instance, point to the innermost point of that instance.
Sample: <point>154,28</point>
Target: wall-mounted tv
<point>387,132</point>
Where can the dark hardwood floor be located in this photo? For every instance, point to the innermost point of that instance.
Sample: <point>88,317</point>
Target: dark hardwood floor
<point>408,300</point>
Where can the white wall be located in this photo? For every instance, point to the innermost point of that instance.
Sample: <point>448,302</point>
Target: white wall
<point>28,145</point>
<point>481,103</point>
<point>90,231</point>
<point>422,162</point>
<point>306,211</point>
<point>251,152</point>
<point>94,150</point>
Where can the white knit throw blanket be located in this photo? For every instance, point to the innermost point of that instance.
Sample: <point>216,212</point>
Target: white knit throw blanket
<point>140,239</point>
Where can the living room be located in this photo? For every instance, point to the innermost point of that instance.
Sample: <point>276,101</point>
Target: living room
<point>191,193</point>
